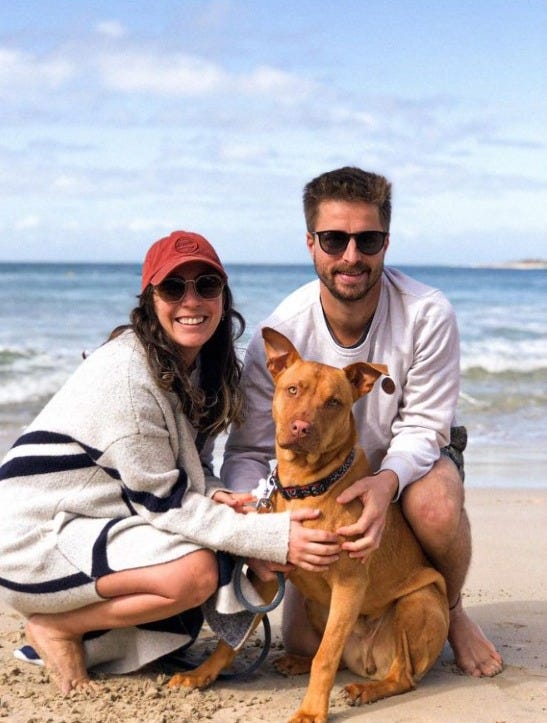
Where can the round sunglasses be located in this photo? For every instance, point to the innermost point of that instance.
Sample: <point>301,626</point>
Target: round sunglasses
<point>335,242</point>
<point>173,288</point>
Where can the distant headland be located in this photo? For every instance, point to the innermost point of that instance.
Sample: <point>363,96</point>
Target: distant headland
<point>525,264</point>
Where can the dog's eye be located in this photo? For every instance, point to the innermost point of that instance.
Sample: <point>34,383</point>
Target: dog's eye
<point>292,390</point>
<point>332,402</point>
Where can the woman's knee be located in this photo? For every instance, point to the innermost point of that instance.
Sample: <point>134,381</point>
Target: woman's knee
<point>189,580</point>
<point>196,577</point>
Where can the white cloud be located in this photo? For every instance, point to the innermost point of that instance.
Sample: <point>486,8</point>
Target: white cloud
<point>68,183</point>
<point>21,72</point>
<point>27,222</point>
<point>265,80</point>
<point>173,75</point>
<point>111,29</point>
<point>243,151</point>
<point>179,74</point>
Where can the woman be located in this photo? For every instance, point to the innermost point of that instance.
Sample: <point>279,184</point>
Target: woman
<point>109,519</point>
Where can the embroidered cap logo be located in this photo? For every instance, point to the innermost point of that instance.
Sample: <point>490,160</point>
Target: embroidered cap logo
<point>186,246</point>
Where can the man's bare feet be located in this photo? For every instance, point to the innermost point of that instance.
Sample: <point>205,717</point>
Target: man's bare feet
<point>62,654</point>
<point>474,653</point>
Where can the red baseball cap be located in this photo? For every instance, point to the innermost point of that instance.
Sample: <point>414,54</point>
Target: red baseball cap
<point>179,248</point>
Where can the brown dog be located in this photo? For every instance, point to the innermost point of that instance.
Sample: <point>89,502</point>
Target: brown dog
<point>386,619</point>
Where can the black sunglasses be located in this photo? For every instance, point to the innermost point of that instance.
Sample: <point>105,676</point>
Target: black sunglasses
<point>207,286</point>
<point>335,242</point>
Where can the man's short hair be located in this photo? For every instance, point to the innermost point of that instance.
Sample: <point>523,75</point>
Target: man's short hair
<point>347,184</point>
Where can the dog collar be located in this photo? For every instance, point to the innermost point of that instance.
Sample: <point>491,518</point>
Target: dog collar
<point>313,489</point>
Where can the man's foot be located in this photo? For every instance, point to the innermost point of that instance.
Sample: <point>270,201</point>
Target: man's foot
<point>62,654</point>
<point>474,653</point>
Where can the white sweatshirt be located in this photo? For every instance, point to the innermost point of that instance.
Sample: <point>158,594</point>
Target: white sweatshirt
<point>413,332</point>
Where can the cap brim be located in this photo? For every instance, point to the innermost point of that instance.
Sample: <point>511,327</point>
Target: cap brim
<point>163,272</point>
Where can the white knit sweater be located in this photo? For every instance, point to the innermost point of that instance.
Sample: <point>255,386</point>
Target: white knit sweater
<point>107,477</point>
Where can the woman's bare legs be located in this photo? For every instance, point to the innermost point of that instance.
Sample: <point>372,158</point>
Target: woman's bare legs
<point>133,597</point>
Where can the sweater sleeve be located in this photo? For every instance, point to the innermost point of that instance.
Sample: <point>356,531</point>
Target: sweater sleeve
<point>429,398</point>
<point>166,486</point>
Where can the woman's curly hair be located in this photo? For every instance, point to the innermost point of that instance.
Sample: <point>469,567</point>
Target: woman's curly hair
<point>218,400</point>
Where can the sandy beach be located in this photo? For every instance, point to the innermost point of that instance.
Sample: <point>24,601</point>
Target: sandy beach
<point>506,593</point>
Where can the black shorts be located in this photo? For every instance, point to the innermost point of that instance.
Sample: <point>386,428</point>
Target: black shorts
<point>454,451</point>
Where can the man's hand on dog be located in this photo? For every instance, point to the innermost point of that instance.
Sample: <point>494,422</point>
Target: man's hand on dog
<point>376,494</point>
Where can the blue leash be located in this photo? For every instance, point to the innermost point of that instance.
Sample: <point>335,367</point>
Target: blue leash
<point>173,662</point>
<point>261,658</point>
<point>263,505</point>
<point>248,605</point>
<point>257,609</point>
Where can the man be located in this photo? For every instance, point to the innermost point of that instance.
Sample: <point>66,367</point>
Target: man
<point>358,310</point>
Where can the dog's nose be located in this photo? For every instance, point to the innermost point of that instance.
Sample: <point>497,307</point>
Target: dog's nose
<point>300,428</point>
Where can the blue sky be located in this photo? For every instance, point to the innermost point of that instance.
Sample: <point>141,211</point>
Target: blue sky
<point>123,120</point>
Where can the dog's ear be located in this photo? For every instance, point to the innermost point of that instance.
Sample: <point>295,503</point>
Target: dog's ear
<point>280,353</point>
<point>362,377</point>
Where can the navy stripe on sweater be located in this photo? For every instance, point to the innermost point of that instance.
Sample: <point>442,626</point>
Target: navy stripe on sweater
<point>26,465</point>
<point>99,555</point>
<point>45,437</point>
<point>57,585</point>
<point>153,503</point>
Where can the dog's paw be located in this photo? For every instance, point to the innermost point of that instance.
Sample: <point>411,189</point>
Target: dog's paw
<point>189,680</point>
<point>303,716</point>
<point>351,693</point>
<point>361,693</point>
<point>292,664</point>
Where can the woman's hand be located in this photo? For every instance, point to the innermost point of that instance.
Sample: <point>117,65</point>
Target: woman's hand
<point>238,501</point>
<point>267,571</point>
<point>310,548</point>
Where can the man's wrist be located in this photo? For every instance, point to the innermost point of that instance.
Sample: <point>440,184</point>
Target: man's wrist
<point>392,480</point>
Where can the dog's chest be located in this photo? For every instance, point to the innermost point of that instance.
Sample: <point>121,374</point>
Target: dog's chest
<point>333,514</point>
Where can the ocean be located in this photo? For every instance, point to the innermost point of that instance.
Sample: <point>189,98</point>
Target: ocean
<point>52,313</point>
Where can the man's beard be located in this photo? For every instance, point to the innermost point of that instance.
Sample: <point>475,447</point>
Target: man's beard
<point>356,293</point>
